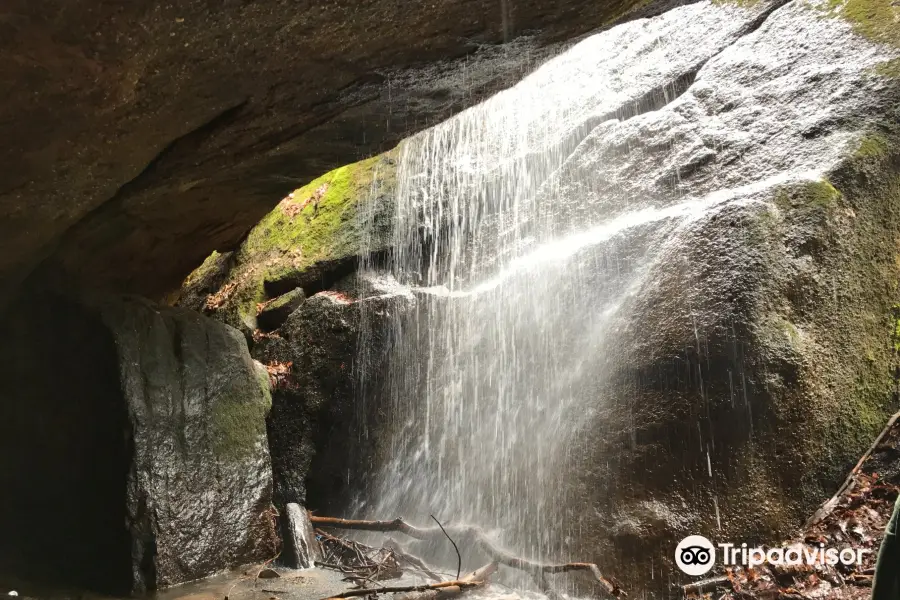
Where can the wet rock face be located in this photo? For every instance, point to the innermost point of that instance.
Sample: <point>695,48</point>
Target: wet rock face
<point>756,358</point>
<point>321,428</point>
<point>143,137</point>
<point>199,485</point>
<point>724,332</point>
<point>300,539</point>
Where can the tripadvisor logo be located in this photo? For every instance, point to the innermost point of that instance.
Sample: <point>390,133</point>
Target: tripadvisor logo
<point>696,555</point>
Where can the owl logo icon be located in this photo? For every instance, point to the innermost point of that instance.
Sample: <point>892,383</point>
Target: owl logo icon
<point>695,555</point>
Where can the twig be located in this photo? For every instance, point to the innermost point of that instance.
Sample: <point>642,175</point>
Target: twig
<point>826,508</point>
<point>455,547</point>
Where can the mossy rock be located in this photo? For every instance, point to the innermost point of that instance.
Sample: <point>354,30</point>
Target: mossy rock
<point>277,310</point>
<point>319,228</point>
<point>238,418</point>
<point>889,68</point>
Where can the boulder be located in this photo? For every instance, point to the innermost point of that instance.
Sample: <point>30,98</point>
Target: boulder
<point>277,310</point>
<point>133,445</point>
<point>320,423</point>
<point>696,330</point>
<point>199,484</point>
<point>315,237</point>
<point>750,355</point>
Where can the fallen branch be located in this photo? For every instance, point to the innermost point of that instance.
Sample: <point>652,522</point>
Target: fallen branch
<point>409,588</point>
<point>826,508</point>
<point>360,563</point>
<point>481,541</point>
<point>480,576</point>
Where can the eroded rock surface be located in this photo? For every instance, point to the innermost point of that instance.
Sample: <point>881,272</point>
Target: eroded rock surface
<point>141,137</point>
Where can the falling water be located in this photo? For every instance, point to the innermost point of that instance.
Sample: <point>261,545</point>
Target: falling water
<point>520,258</point>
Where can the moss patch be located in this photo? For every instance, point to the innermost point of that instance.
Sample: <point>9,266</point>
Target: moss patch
<point>877,20</point>
<point>819,194</point>
<point>239,419</point>
<point>872,146</point>
<point>319,222</point>
<point>284,299</point>
<point>209,265</point>
<point>895,335</point>
<point>889,68</point>
<point>741,3</point>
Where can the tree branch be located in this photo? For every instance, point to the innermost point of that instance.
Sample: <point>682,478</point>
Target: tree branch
<point>481,541</point>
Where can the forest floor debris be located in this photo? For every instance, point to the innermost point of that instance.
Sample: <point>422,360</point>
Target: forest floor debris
<point>477,539</point>
<point>856,516</point>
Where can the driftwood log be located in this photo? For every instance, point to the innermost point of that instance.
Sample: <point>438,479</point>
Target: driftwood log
<point>537,570</point>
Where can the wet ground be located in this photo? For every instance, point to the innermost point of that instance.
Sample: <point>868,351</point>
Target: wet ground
<point>242,584</point>
<point>858,518</point>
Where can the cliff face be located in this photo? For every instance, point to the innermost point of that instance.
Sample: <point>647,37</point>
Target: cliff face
<point>751,350</point>
<point>140,137</point>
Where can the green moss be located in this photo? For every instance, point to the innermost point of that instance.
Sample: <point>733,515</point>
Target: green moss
<point>872,146</point>
<point>889,68</point>
<point>239,418</point>
<point>790,330</point>
<point>319,222</point>
<point>285,299</point>
<point>877,20</point>
<point>895,329</point>
<point>821,195</point>
<point>204,269</point>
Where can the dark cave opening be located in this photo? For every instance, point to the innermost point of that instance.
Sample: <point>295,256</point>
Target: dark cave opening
<point>65,450</point>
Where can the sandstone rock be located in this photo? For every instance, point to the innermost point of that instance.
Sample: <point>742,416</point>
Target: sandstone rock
<point>147,136</point>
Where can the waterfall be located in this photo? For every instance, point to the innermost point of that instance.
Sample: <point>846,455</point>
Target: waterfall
<point>523,251</point>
